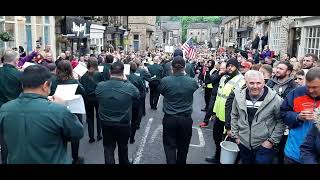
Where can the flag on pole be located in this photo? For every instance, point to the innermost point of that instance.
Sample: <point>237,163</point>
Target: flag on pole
<point>188,48</point>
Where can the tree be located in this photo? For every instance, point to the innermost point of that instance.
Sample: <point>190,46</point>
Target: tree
<point>187,20</point>
<point>175,18</point>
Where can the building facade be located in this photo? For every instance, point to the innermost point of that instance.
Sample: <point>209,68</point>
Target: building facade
<point>27,30</point>
<point>142,30</point>
<point>230,23</point>
<point>309,39</point>
<point>72,34</point>
<point>116,33</point>
<point>168,33</point>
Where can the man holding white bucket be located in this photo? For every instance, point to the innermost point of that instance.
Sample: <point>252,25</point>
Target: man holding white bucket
<point>255,120</point>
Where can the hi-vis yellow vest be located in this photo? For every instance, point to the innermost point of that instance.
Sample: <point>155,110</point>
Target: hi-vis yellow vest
<point>224,91</point>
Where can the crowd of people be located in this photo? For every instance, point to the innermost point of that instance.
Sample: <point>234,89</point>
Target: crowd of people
<point>259,102</point>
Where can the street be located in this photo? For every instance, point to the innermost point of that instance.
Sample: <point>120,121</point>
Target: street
<point>148,147</point>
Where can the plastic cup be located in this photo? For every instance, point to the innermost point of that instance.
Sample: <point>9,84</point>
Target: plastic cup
<point>307,107</point>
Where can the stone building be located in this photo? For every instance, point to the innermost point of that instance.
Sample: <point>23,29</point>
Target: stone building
<point>306,36</point>
<point>142,30</point>
<point>26,30</point>
<point>278,31</point>
<point>230,24</point>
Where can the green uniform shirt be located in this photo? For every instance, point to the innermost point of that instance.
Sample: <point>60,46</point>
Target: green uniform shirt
<point>177,91</point>
<point>156,71</point>
<point>167,67</point>
<point>189,70</point>
<point>89,83</point>
<point>10,84</point>
<point>106,71</point>
<point>144,74</point>
<point>115,99</point>
<point>36,130</point>
<point>55,82</point>
<point>137,81</point>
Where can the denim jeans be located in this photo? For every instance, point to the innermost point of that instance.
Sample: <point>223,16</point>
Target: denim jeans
<point>259,155</point>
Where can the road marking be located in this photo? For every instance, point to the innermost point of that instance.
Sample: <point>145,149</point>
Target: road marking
<point>201,139</point>
<point>143,142</point>
<point>158,130</point>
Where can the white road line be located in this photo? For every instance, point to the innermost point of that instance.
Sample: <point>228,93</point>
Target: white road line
<point>143,142</point>
<point>158,130</point>
<point>201,139</point>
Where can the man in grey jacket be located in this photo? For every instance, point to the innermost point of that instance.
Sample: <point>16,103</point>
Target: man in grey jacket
<point>255,120</point>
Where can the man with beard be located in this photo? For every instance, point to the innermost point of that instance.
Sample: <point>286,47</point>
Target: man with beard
<point>309,61</point>
<point>282,82</point>
<point>228,83</point>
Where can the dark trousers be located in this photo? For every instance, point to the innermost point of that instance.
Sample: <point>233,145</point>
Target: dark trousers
<point>282,144</point>
<point>91,104</point>
<point>4,150</point>
<point>154,93</point>
<point>218,128</point>
<point>259,155</point>
<point>288,160</point>
<point>112,136</point>
<point>143,104</point>
<point>177,132</point>
<point>136,118</point>
<point>75,143</point>
<point>209,112</point>
<point>207,95</point>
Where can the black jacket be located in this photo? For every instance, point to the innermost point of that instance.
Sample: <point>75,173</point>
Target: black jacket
<point>255,43</point>
<point>291,86</point>
<point>229,108</point>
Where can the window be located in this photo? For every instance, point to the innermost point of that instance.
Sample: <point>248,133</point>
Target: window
<point>274,42</point>
<point>29,38</point>
<point>28,19</point>
<point>46,30</point>
<point>136,37</point>
<point>231,33</point>
<point>9,27</point>
<point>1,30</point>
<point>312,40</point>
<point>46,35</point>
<point>47,19</point>
<point>198,33</point>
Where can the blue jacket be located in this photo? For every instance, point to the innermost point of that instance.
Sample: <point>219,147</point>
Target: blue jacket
<point>290,108</point>
<point>310,149</point>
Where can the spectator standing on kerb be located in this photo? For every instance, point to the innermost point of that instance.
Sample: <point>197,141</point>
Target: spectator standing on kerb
<point>255,120</point>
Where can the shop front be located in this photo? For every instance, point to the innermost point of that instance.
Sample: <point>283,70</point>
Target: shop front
<point>75,35</point>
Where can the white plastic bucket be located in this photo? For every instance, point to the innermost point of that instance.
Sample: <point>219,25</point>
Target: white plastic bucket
<point>229,152</point>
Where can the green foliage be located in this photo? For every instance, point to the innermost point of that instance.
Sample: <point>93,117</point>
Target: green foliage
<point>175,18</point>
<point>187,20</point>
<point>6,36</point>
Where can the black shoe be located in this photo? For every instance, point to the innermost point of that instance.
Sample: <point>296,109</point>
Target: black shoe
<point>132,141</point>
<point>99,138</point>
<point>204,109</point>
<point>80,160</point>
<point>212,160</point>
<point>92,140</point>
